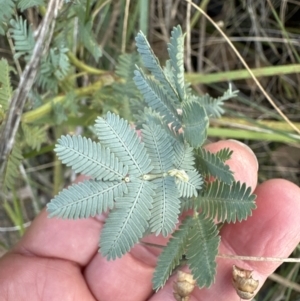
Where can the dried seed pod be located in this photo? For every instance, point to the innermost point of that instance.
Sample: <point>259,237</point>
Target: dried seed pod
<point>183,286</point>
<point>243,282</point>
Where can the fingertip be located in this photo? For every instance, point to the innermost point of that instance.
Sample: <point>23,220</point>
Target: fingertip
<point>281,188</point>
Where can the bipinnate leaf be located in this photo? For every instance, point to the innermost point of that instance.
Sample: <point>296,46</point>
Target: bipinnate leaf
<point>197,238</point>
<point>176,53</point>
<point>6,12</point>
<point>90,158</point>
<point>53,71</point>
<point>187,204</point>
<point>5,85</point>
<point>60,61</point>
<point>146,115</point>
<point>125,68</point>
<point>202,249</point>
<point>85,199</point>
<point>22,36</point>
<point>166,206</point>
<point>115,133</point>
<point>211,165</point>
<point>183,156</point>
<point>227,203</point>
<point>169,74</point>
<point>34,135</point>
<point>46,80</point>
<point>188,189</point>
<point>224,154</point>
<point>25,4</point>
<point>195,123</point>
<point>128,221</point>
<point>156,98</point>
<point>214,106</point>
<point>11,171</point>
<point>127,64</point>
<point>171,255</point>
<point>159,147</point>
<point>151,62</point>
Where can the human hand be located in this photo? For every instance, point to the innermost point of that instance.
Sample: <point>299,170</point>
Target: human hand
<point>59,260</point>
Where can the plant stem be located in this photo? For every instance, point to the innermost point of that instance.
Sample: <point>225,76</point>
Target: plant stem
<point>43,110</point>
<point>83,67</point>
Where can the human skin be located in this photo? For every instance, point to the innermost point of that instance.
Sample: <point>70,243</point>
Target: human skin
<point>58,259</point>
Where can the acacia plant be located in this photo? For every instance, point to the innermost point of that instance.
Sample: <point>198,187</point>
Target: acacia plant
<point>147,180</point>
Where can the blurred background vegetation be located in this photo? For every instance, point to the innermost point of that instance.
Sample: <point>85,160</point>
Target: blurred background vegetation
<point>82,75</point>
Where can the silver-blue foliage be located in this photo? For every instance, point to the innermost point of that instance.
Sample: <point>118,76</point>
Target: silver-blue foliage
<point>166,206</point>
<point>176,53</point>
<point>6,12</point>
<point>159,147</point>
<point>115,133</point>
<point>147,180</point>
<point>156,98</point>
<point>86,199</point>
<point>225,202</point>
<point>128,221</point>
<point>90,158</point>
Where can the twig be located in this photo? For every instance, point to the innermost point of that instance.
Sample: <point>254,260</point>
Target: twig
<point>9,130</point>
<point>229,256</point>
<point>259,258</point>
